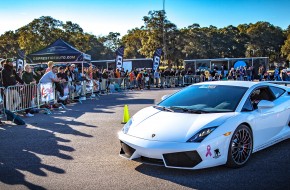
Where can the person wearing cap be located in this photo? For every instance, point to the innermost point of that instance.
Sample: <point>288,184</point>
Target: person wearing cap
<point>37,74</point>
<point>61,74</point>
<point>9,75</point>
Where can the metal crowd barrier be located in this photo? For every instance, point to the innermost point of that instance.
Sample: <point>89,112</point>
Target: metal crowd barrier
<point>2,102</point>
<point>46,96</point>
<point>21,97</point>
<point>188,80</point>
<point>168,81</point>
<point>92,88</point>
<point>118,84</point>
<point>74,89</point>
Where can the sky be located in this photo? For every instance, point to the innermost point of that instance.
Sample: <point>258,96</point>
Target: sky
<point>99,17</point>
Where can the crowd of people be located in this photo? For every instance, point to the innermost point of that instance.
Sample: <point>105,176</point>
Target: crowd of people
<point>59,76</point>
<point>72,76</point>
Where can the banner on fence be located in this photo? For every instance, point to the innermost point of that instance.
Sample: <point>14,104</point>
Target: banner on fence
<point>156,58</point>
<point>119,57</point>
<point>47,92</point>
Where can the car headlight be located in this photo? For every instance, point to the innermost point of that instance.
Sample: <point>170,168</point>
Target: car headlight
<point>127,126</point>
<point>202,134</point>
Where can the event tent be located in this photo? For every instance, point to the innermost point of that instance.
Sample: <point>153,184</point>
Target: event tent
<point>58,51</point>
<point>240,64</point>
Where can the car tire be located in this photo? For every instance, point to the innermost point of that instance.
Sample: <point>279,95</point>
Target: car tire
<point>240,147</point>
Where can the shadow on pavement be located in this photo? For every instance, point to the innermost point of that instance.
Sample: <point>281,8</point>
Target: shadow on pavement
<point>248,177</point>
<point>22,147</point>
<point>19,148</point>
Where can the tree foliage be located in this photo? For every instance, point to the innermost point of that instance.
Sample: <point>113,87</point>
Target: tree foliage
<point>133,43</point>
<point>8,44</point>
<point>192,42</point>
<point>285,50</point>
<point>265,40</point>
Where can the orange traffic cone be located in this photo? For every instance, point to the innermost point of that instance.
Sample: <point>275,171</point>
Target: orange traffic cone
<point>126,115</point>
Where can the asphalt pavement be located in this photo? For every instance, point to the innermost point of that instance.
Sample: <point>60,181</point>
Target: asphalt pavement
<point>78,147</point>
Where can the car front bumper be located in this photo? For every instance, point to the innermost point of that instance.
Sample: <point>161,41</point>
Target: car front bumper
<point>175,154</point>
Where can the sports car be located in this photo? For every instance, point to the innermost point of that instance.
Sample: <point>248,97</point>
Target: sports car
<point>209,124</point>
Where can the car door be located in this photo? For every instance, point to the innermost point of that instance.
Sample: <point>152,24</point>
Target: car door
<point>282,107</point>
<point>265,123</point>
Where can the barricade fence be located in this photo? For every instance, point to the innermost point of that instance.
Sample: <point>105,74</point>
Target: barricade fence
<point>148,82</point>
<point>2,102</point>
<point>22,97</point>
<point>46,94</point>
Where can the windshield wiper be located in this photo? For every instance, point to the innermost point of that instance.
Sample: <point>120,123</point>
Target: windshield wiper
<point>188,110</point>
<point>163,108</point>
<point>198,111</point>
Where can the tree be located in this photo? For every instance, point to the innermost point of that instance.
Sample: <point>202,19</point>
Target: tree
<point>232,42</point>
<point>133,43</point>
<point>74,34</point>
<point>39,33</point>
<point>112,41</point>
<point>8,45</point>
<point>265,40</point>
<point>97,49</point>
<point>285,50</point>
<point>192,42</point>
<point>153,36</point>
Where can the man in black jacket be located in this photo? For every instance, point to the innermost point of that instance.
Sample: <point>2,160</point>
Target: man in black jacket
<point>10,78</point>
<point>9,75</point>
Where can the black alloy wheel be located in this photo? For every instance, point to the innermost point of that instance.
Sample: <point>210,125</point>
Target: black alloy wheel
<point>241,147</point>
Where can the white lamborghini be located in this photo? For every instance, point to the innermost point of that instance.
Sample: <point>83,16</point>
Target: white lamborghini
<point>209,124</point>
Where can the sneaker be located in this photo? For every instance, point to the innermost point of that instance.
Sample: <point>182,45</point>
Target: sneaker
<point>63,97</point>
<point>29,115</point>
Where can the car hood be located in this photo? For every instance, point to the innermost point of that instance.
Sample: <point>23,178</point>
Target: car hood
<point>153,124</point>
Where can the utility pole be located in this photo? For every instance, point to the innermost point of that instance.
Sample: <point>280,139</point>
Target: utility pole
<point>163,29</point>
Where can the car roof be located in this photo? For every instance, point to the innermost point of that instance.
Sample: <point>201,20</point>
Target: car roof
<point>246,84</point>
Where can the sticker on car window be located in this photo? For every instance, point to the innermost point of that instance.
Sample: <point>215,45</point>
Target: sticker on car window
<point>208,86</point>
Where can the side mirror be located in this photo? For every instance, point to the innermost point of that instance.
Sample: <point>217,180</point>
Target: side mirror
<point>265,104</point>
<point>165,97</point>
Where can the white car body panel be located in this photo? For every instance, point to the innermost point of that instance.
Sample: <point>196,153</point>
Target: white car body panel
<point>154,132</point>
<point>170,128</point>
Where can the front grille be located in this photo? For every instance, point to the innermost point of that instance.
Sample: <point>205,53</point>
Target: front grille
<point>152,161</point>
<point>126,150</point>
<point>187,159</point>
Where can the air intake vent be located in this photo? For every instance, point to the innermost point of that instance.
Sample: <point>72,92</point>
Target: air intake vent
<point>182,159</point>
<point>126,150</point>
<point>152,161</point>
<point>289,124</point>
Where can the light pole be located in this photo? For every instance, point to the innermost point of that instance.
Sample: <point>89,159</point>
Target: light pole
<point>163,30</point>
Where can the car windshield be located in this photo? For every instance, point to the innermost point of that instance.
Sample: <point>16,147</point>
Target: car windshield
<point>205,99</point>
